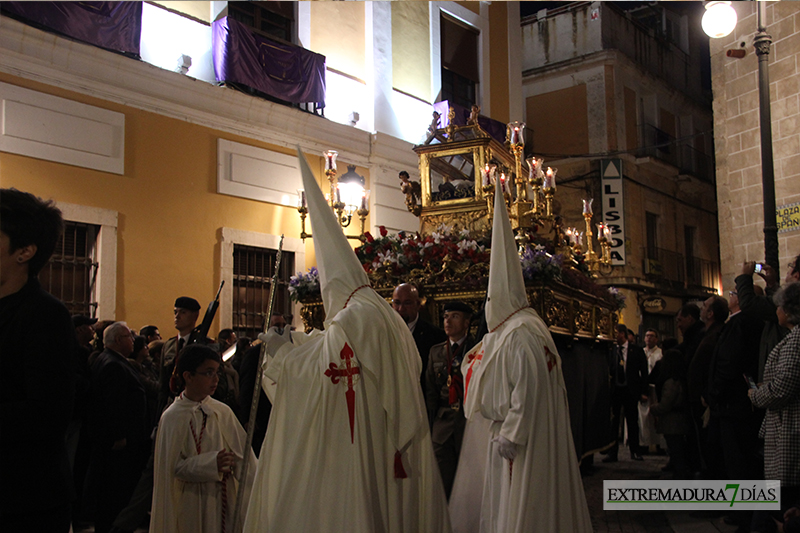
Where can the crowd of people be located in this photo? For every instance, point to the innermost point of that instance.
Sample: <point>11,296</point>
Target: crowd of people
<point>115,428</point>
<point>725,400</point>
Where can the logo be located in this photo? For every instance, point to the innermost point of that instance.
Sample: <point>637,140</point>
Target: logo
<point>702,495</point>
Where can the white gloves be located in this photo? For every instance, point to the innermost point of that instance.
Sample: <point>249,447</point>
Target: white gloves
<point>274,340</point>
<point>506,448</point>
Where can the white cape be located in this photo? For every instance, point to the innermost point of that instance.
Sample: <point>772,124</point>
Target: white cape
<point>187,487</point>
<point>320,472</point>
<point>515,381</point>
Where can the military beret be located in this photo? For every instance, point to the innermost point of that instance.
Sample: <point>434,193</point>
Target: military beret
<point>458,306</point>
<point>82,320</point>
<point>184,302</point>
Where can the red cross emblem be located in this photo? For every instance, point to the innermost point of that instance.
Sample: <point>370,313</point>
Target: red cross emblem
<point>551,359</point>
<point>349,371</point>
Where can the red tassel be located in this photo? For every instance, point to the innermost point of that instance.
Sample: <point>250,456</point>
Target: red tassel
<point>399,471</point>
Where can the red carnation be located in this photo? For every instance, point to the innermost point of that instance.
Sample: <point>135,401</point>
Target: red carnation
<point>383,231</point>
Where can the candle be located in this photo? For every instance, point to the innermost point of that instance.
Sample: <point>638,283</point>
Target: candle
<point>607,232</point>
<point>365,201</point>
<point>330,159</point>
<point>600,232</point>
<point>301,198</point>
<point>579,239</point>
<point>503,182</point>
<point>587,206</point>
<point>485,178</point>
<point>515,132</point>
<point>550,178</point>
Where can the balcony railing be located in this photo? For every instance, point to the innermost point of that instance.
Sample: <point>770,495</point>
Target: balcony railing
<point>663,265</point>
<point>680,154</point>
<point>701,273</point>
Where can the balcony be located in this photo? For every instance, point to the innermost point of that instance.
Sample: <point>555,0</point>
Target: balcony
<point>664,148</point>
<point>663,265</point>
<point>679,272</point>
<point>701,273</point>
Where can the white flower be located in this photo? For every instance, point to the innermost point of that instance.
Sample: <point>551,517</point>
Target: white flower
<point>465,233</point>
<point>465,245</point>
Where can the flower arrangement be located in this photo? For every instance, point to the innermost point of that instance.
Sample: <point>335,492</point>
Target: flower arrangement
<point>401,253</point>
<point>539,265</point>
<point>303,286</point>
<point>406,255</point>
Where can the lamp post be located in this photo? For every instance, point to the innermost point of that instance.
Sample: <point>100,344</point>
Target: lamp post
<point>721,12</point>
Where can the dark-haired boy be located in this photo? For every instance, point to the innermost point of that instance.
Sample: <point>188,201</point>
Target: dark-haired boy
<point>37,351</point>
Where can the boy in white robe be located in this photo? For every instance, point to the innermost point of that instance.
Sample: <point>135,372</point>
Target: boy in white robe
<point>199,449</point>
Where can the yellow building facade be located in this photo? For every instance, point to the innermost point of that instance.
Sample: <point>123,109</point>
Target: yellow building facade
<point>174,172</point>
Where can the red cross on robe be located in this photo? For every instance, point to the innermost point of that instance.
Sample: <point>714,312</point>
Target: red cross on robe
<point>348,370</point>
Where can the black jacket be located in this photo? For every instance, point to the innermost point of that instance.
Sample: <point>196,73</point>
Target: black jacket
<point>37,390</point>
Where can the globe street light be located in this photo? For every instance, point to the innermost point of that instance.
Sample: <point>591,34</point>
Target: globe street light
<point>717,23</point>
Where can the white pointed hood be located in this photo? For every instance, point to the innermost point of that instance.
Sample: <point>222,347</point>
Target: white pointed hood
<point>340,272</point>
<point>506,293</point>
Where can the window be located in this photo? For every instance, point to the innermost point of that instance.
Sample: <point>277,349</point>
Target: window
<point>273,19</point>
<point>253,269</point>
<point>460,73</point>
<point>71,273</point>
<point>651,227</point>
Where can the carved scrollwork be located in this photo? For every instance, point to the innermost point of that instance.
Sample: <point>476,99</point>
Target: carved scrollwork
<point>474,221</point>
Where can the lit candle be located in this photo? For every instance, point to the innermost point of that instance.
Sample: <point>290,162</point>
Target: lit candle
<point>607,232</point>
<point>550,178</point>
<point>503,182</point>
<point>301,198</point>
<point>570,235</point>
<point>587,206</point>
<point>600,232</point>
<point>579,239</point>
<point>365,201</point>
<point>486,180</point>
<point>330,159</point>
<point>515,130</point>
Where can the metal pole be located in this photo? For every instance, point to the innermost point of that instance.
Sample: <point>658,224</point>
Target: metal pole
<point>762,44</point>
<point>238,515</point>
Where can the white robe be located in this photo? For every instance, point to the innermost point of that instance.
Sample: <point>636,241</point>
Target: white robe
<point>187,487</point>
<point>515,381</point>
<point>318,474</point>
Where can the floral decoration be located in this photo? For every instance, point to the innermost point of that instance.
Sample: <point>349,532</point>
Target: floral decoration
<point>403,256</point>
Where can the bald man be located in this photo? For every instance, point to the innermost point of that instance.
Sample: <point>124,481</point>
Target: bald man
<point>406,301</point>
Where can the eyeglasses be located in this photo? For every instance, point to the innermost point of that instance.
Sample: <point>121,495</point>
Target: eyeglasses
<point>210,373</point>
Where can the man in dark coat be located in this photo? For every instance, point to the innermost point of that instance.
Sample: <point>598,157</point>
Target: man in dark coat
<point>406,301</point>
<point>444,396</point>
<point>629,386</point>
<point>118,426</point>
<point>37,379</point>
<point>691,328</point>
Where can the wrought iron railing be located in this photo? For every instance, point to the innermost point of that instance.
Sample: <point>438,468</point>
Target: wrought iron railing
<point>678,153</point>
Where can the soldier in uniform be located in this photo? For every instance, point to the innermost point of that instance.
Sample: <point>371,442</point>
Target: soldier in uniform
<point>444,393</point>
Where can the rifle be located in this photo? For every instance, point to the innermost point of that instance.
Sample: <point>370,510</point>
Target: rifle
<point>251,424</point>
<point>200,333</point>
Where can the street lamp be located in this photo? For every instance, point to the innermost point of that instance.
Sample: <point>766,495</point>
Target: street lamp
<point>717,15</point>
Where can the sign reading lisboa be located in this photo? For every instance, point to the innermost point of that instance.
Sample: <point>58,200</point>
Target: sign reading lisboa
<point>691,495</point>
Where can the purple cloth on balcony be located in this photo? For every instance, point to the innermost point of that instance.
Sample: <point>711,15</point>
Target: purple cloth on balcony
<point>284,71</point>
<point>112,25</point>
<point>493,127</point>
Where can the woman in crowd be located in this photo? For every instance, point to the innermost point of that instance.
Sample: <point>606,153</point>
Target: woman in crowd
<point>779,394</point>
<point>670,411</point>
